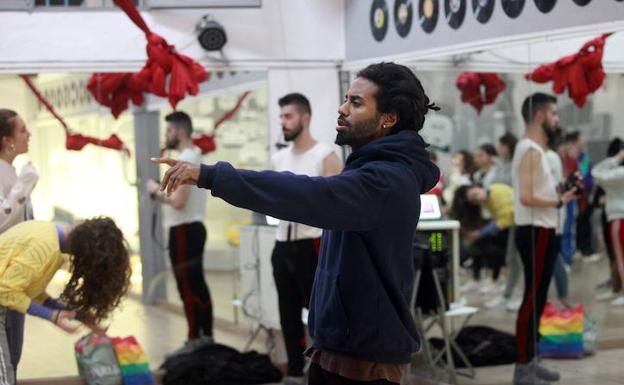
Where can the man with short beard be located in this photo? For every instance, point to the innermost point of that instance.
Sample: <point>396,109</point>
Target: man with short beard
<point>536,204</point>
<point>184,213</point>
<point>296,249</point>
<point>360,318</point>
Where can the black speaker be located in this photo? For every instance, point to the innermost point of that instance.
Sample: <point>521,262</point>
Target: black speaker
<point>211,34</point>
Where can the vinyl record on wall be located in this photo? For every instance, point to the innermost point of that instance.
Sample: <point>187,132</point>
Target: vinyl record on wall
<point>483,10</point>
<point>403,15</point>
<point>379,19</point>
<point>513,8</point>
<point>582,2</point>
<point>455,11</point>
<point>545,6</point>
<point>428,11</point>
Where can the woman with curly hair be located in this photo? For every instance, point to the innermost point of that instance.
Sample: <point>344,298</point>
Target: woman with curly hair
<point>31,253</point>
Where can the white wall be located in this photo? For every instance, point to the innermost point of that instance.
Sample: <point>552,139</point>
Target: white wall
<point>302,31</point>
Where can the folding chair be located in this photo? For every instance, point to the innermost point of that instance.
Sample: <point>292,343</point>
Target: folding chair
<point>442,318</point>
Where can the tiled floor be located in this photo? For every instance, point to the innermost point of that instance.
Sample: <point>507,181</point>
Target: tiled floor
<point>48,352</point>
<point>582,281</point>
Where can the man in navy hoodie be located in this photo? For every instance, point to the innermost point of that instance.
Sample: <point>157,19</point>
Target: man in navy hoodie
<point>359,316</point>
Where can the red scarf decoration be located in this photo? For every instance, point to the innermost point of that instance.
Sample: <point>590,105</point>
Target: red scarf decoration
<point>581,73</point>
<point>163,63</point>
<point>76,142</point>
<point>479,89</point>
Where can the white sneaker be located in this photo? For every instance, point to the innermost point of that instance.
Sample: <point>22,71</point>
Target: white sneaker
<point>491,287</point>
<point>469,287</point>
<point>607,295</point>
<point>619,301</point>
<point>593,258</point>
<point>498,302</point>
<point>513,306</point>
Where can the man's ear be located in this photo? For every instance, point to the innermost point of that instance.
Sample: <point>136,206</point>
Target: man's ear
<point>389,120</point>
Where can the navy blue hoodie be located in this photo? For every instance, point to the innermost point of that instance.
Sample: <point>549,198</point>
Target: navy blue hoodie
<point>369,212</point>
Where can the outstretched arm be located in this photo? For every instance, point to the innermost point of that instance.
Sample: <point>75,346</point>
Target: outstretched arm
<point>350,201</point>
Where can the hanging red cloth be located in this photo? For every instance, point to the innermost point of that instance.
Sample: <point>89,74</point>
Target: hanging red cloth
<point>166,73</point>
<point>115,91</point>
<point>479,89</point>
<point>75,141</point>
<point>206,143</point>
<point>581,73</point>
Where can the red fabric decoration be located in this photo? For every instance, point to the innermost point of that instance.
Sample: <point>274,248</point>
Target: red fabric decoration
<point>479,89</point>
<point>206,143</point>
<point>115,91</point>
<point>166,72</point>
<point>581,73</point>
<point>75,141</point>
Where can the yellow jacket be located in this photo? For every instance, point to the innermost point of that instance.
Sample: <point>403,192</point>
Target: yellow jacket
<point>500,205</point>
<point>29,256</point>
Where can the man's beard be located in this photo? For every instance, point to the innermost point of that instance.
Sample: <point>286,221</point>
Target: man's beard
<point>551,134</point>
<point>358,133</point>
<point>172,144</point>
<point>294,134</point>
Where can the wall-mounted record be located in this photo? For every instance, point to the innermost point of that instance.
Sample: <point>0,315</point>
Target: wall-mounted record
<point>513,8</point>
<point>403,14</point>
<point>582,2</point>
<point>483,10</point>
<point>428,11</point>
<point>545,6</point>
<point>379,19</point>
<point>455,11</point>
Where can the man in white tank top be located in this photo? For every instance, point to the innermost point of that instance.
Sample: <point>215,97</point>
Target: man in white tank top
<point>536,204</point>
<point>184,212</point>
<point>296,248</point>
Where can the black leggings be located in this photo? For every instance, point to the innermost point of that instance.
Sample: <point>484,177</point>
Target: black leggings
<point>186,249</point>
<point>294,265</point>
<point>318,376</point>
<point>538,248</point>
<point>489,251</point>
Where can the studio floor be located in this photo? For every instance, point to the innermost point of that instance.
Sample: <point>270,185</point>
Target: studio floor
<point>48,352</point>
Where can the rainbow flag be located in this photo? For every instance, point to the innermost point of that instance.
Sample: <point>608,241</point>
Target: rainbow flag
<point>561,332</point>
<point>132,362</point>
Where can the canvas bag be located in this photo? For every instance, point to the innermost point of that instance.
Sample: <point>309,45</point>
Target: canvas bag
<point>96,359</point>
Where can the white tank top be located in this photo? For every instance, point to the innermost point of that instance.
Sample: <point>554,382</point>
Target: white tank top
<point>544,186</point>
<point>309,163</point>
<point>195,208</point>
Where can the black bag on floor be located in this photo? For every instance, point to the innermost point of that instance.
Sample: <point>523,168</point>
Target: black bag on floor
<point>483,346</point>
<point>219,365</point>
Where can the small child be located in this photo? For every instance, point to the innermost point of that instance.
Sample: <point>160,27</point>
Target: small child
<point>31,253</point>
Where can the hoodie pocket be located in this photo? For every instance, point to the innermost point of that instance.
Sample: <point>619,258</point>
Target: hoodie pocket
<point>332,325</point>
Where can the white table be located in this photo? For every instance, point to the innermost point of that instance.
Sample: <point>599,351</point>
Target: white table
<point>258,291</point>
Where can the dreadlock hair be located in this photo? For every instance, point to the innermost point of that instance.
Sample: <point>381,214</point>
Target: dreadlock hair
<point>100,269</point>
<point>401,93</point>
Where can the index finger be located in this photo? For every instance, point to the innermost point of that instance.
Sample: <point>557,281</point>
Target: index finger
<point>168,161</point>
